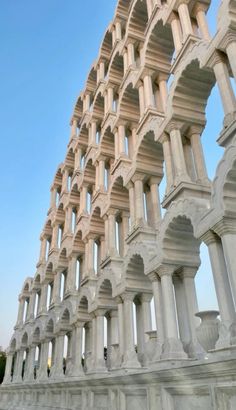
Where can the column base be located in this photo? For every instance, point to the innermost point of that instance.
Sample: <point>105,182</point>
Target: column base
<point>195,350</point>
<point>131,360</point>
<point>173,350</point>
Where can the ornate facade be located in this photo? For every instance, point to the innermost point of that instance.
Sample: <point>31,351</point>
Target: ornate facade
<point>84,337</point>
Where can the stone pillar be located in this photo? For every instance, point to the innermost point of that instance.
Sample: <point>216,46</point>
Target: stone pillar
<point>100,362</point>
<point>83,199</point>
<point>125,231</point>
<point>156,288</point>
<point>178,156</point>
<point>172,348</point>
<point>32,304</point>
<point>20,311</point>
<point>106,230</point>
<point>224,84</point>
<point>125,58</point>
<point>118,30</point>
<point>163,91</point>
<point>199,160</point>
<point>185,19</point>
<point>68,219</point>
<point>139,200</point>
<point>64,180</point>
<point>121,131</point>
<point>18,368</point>
<point>176,31</point>
<point>56,288</point>
<point>130,187</point>
<point>78,156</point>
<point>76,369</point>
<point>57,369</point>
<point>148,91</point>
<point>131,57</point>
<point>43,299</point>
<point>71,278</point>
<point>101,174</point>
<point>102,70</point>
<point>43,375</point>
<point>43,248</point>
<point>112,233</point>
<point>156,207</point>
<point>90,257</point>
<point>231,50</point>
<point>110,97</point>
<point>121,333</point>
<point>130,356</point>
<point>202,21</point>
<point>73,128</point>
<point>31,361</point>
<point>220,275</point>
<point>117,148</point>
<point>190,295</point>
<point>168,163</point>
<point>55,232</point>
<point>141,98</point>
<point>87,102</point>
<point>9,361</point>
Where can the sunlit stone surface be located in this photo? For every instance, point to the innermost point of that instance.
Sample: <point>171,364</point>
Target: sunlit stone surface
<point>112,263</point>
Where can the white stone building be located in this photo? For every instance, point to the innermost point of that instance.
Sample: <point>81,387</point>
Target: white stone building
<point>84,337</point>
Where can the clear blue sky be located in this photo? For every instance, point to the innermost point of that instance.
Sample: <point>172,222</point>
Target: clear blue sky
<point>47,48</point>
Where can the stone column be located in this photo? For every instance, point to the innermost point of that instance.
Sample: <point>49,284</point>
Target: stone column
<point>43,299</point>
<point>9,361</point>
<point>178,156</point>
<point>117,148</point>
<point>100,362</point>
<point>176,31</point>
<point>121,333</point>
<point>57,369</point>
<point>20,311</point>
<point>43,375</point>
<point>156,207</point>
<point>172,348</point>
<point>101,174</point>
<point>106,230</point>
<point>73,128</point>
<point>168,162</point>
<point>125,58</point>
<point>55,232</point>
<point>78,156</point>
<point>102,70</point>
<point>121,131</point>
<point>18,368</point>
<point>131,57</point>
<point>231,50</point>
<point>224,84</point>
<point>87,102</point>
<point>130,356</point>
<point>125,231</point>
<point>31,361</point>
<point>130,187</point>
<point>32,304</point>
<point>139,200</point>
<point>148,91</point>
<point>90,257</point>
<point>156,288</point>
<point>185,19</point>
<point>43,248</point>
<point>110,97</point>
<point>83,198</point>
<point>188,277</point>
<point>112,233</point>
<point>141,98</point>
<point>68,219</point>
<point>202,21</point>
<point>56,288</point>
<point>64,180</point>
<point>163,91</point>
<point>71,278</point>
<point>76,369</point>
<point>199,160</point>
<point>53,197</point>
<point>118,30</point>
<point>221,279</point>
